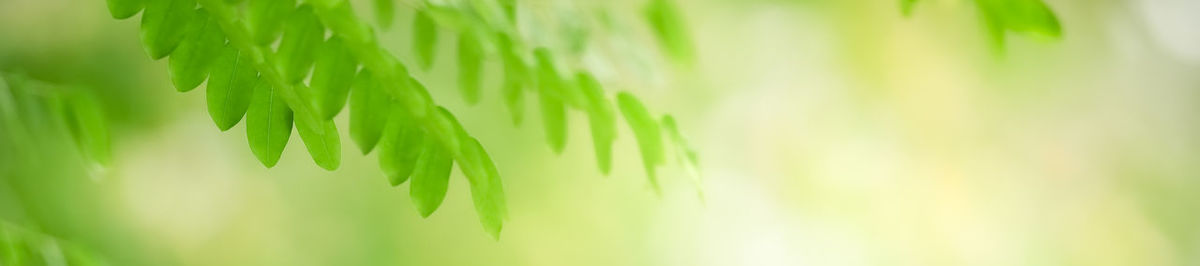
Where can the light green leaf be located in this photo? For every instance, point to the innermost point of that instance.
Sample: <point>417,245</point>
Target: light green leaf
<point>385,12</point>
<point>428,188</point>
<point>123,9</point>
<point>190,62</point>
<point>400,147</point>
<point>906,6</point>
<point>302,35</point>
<point>268,124</point>
<point>161,25</point>
<point>487,190</point>
<point>332,77</point>
<point>601,118</point>
<point>230,88</point>
<point>324,146</point>
<point>266,18</point>
<point>550,80</point>
<point>684,152</point>
<point>516,76</point>
<point>447,129</point>
<point>87,125</point>
<point>425,38</point>
<point>470,67</point>
<point>369,110</point>
<point>554,119</point>
<point>667,24</point>
<point>646,130</point>
<point>339,17</point>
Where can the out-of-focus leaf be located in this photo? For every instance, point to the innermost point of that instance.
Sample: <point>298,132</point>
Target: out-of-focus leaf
<point>516,76</point>
<point>470,67</point>
<point>190,62</point>
<point>601,118</point>
<point>906,6</point>
<point>369,110</point>
<point>486,188</point>
<point>554,119</point>
<point>684,152</point>
<point>425,38</point>
<point>667,24</point>
<point>230,88</point>
<point>163,24</point>
<point>88,127</point>
<point>332,77</point>
<point>428,188</point>
<point>302,35</point>
<point>551,81</point>
<point>123,9</point>
<point>385,12</point>
<point>324,146</point>
<point>268,124</point>
<point>400,147</point>
<point>646,130</point>
<point>266,18</point>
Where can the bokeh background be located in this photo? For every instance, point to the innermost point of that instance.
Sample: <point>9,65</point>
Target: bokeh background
<point>830,133</point>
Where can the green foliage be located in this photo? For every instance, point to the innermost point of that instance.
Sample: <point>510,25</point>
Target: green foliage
<point>22,246</point>
<point>29,107</point>
<point>123,9</point>
<point>1027,17</point>
<point>667,24</point>
<point>232,44</point>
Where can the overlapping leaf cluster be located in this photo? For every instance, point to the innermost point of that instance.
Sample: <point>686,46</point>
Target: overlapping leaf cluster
<point>1027,17</point>
<point>279,62</point>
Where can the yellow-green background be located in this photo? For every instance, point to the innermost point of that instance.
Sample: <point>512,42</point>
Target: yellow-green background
<point>830,133</point>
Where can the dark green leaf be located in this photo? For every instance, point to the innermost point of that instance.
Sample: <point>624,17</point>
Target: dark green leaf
<point>162,24</point>
<point>646,130</point>
<point>324,146</point>
<point>302,35</point>
<point>266,18</point>
<point>400,147</point>
<point>369,110</point>
<point>268,124</point>
<point>601,118</point>
<point>332,77</point>
<point>428,188</point>
<point>486,188</point>
<point>470,67</point>
<point>385,13</point>
<point>190,62</point>
<point>425,37</point>
<point>230,88</point>
<point>123,9</point>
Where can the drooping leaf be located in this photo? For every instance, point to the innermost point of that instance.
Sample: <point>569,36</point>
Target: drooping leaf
<point>554,120</point>
<point>268,124</point>
<point>428,188</point>
<point>487,190</point>
<point>425,38</point>
<point>302,35</point>
<point>324,146</point>
<point>332,77</point>
<point>230,88</point>
<point>447,129</point>
<point>516,76</point>
<point>400,147</point>
<point>339,17</point>
<point>385,13</point>
<point>123,9</point>
<point>162,23</point>
<point>646,131</point>
<point>190,62</point>
<point>552,81</point>
<point>266,18</point>
<point>601,118</point>
<point>684,152</point>
<point>470,67</point>
<point>369,110</point>
<point>667,24</point>
<point>87,125</point>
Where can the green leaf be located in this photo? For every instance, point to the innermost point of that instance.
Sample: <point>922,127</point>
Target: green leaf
<point>447,129</point>
<point>1030,17</point>
<point>302,35</point>
<point>487,190</point>
<point>266,18</point>
<point>516,76</point>
<point>161,25</point>
<point>230,88</point>
<point>646,130</point>
<point>428,188</point>
<point>123,9</point>
<point>369,110</point>
<point>470,67</point>
<point>554,119</point>
<point>601,118</point>
<point>332,77</point>
<point>190,62</point>
<point>668,26</point>
<point>425,38</point>
<point>550,80</point>
<point>324,146</point>
<point>400,147</point>
<point>268,124</point>
<point>87,125</point>
<point>684,152</point>
<point>385,12</point>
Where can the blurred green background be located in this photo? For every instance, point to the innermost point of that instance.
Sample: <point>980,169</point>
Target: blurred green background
<point>830,133</point>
